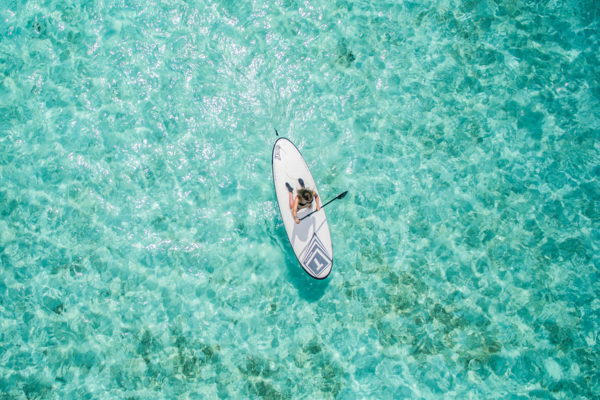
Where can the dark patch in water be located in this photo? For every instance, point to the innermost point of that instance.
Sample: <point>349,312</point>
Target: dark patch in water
<point>331,374</point>
<point>147,346</point>
<point>313,347</point>
<point>558,336</point>
<point>193,356</point>
<point>38,26</point>
<point>345,55</point>
<point>256,366</point>
<point>53,304</point>
<point>263,389</point>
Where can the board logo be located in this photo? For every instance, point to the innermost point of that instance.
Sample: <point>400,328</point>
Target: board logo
<point>315,256</point>
<point>277,156</point>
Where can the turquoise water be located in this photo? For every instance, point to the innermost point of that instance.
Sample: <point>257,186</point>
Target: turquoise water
<point>142,255</point>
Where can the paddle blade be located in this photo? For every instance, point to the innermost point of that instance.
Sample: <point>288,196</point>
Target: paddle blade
<point>341,196</point>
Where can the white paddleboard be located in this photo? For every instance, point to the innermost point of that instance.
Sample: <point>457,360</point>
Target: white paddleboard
<point>310,239</point>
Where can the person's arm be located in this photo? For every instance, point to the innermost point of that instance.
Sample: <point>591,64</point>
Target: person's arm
<point>317,200</point>
<point>295,210</point>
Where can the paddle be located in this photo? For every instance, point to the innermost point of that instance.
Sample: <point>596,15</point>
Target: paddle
<point>338,197</point>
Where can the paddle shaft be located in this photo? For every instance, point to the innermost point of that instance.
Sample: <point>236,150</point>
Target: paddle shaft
<point>339,196</point>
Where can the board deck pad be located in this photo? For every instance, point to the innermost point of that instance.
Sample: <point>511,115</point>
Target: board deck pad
<point>310,239</point>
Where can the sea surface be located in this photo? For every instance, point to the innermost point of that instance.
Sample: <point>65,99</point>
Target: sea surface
<point>142,253</point>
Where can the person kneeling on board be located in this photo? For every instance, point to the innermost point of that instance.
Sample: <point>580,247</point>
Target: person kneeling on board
<point>304,199</point>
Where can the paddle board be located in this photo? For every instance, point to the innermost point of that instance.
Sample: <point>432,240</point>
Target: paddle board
<point>310,239</point>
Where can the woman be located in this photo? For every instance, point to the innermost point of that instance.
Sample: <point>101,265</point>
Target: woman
<point>304,199</point>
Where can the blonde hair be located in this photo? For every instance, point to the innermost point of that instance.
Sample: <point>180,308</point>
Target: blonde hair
<point>306,194</point>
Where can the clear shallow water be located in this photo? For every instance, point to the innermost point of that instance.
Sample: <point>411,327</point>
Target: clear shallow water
<point>141,250</point>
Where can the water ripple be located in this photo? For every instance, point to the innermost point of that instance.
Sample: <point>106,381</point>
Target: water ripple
<point>141,253</point>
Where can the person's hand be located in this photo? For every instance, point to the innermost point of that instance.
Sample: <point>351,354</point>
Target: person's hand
<point>297,220</point>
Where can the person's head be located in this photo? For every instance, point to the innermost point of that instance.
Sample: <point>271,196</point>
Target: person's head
<point>305,195</point>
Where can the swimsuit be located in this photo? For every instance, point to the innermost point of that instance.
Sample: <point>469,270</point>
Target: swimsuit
<point>304,205</point>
